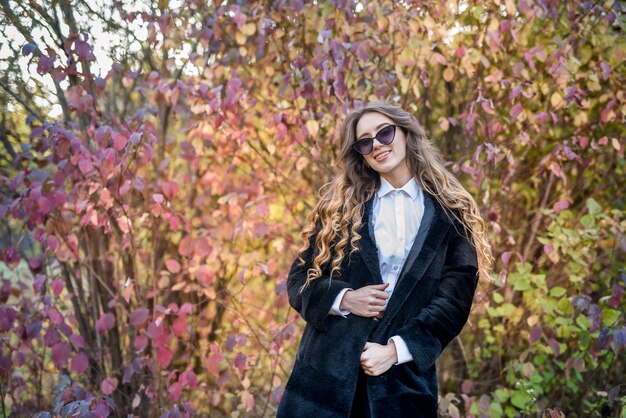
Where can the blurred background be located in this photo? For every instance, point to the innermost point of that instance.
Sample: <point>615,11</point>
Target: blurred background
<point>159,158</point>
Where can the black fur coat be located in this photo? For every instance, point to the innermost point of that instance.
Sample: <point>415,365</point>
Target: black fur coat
<point>428,308</point>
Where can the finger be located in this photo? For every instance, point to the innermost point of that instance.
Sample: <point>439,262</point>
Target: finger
<point>381,286</point>
<point>380,294</point>
<point>368,345</point>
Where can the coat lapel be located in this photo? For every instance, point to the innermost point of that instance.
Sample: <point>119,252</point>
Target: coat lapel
<point>369,252</point>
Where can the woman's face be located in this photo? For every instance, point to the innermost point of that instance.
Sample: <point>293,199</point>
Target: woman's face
<point>388,160</point>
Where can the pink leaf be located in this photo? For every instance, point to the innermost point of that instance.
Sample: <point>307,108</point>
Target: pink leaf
<point>57,286</point>
<point>172,265</point>
<point>188,378</point>
<point>80,363</point>
<point>108,385</point>
<point>60,353</point>
<point>53,243</point>
<point>202,247</point>
<point>77,340</point>
<point>164,356</point>
<point>179,326</point>
<point>175,391</point>
<point>55,316</point>
<point>105,323</point>
<point>205,275</point>
<point>516,111</point>
<point>119,141</point>
<point>560,205</point>
<point>185,247</point>
<point>247,400</point>
<point>139,316</point>
<point>186,309</point>
<point>85,165</point>
<point>214,360</point>
<point>140,343</point>
<point>506,256</point>
<point>240,362</point>
<point>170,189</point>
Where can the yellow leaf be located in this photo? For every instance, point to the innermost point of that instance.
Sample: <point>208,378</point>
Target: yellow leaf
<point>313,127</point>
<point>249,29</point>
<point>616,144</point>
<point>300,103</point>
<point>240,38</point>
<point>556,100</point>
<point>404,85</point>
<point>444,123</point>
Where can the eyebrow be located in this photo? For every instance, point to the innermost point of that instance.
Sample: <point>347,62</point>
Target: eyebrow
<point>377,128</point>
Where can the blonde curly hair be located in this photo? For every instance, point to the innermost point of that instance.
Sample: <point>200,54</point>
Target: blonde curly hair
<point>337,216</point>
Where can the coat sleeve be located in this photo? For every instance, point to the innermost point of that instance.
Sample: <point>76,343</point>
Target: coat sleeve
<point>315,301</point>
<point>428,333</point>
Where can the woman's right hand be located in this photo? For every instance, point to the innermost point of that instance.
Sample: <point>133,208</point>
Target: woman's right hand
<point>367,301</point>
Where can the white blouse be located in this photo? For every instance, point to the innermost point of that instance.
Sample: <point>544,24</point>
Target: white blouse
<point>396,217</point>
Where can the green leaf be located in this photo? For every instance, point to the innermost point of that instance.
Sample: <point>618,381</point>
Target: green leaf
<point>593,206</point>
<point>557,291</point>
<point>518,400</point>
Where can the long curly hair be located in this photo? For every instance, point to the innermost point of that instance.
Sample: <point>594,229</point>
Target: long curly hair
<point>337,217</point>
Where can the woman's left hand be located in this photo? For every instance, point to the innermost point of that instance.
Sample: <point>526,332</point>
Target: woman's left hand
<point>376,359</point>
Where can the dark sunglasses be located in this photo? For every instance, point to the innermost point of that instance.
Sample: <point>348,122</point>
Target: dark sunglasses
<point>385,136</point>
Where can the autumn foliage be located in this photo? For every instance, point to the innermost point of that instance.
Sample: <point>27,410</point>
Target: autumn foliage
<point>148,230</point>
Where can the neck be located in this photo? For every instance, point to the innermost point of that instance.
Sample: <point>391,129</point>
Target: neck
<point>398,180</point>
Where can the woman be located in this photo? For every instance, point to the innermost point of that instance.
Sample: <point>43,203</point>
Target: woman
<point>386,276</point>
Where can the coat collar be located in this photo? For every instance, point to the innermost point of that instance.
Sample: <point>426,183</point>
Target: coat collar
<point>432,230</point>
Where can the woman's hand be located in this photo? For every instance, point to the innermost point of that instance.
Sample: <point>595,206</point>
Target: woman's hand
<point>367,301</point>
<point>376,359</point>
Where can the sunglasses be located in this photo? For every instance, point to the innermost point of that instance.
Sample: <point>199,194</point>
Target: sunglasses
<point>385,136</point>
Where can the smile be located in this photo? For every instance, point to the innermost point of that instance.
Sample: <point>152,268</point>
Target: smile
<point>382,156</point>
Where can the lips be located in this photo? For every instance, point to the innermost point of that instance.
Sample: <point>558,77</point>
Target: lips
<point>381,156</point>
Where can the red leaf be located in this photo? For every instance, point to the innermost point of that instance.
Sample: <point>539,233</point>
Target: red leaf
<point>172,265</point>
<point>108,385</point>
<point>164,356</point>
<point>105,323</point>
<point>80,362</point>
<point>139,316</point>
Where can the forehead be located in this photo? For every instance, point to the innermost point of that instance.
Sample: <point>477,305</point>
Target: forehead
<point>370,123</point>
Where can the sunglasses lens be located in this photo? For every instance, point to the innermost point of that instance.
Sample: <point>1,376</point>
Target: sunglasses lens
<point>365,146</point>
<point>385,135</point>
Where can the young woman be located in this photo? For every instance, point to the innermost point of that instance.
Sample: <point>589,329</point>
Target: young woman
<point>386,276</point>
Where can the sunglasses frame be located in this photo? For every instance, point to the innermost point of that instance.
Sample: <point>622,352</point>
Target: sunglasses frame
<point>356,145</point>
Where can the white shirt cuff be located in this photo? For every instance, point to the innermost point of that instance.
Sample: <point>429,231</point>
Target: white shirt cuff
<point>335,310</point>
<point>402,350</point>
